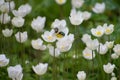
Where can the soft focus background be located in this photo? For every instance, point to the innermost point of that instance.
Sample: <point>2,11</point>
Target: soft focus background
<point>25,55</point>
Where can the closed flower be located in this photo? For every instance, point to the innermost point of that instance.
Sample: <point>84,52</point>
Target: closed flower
<point>40,69</point>
<point>88,54</point>
<point>103,49</point>
<point>5,7</point>
<point>76,18</point>
<point>55,52</point>
<point>99,8</point>
<point>18,21</point>
<point>15,72</point>
<point>92,44</point>
<point>38,24</point>
<point>116,49</point>
<point>114,56</point>
<point>81,75</point>
<point>3,60</point>
<point>38,44</point>
<point>109,44</point>
<point>6,18</point>
<point>21,36</point>
<point>7,32</point>
<point>77,3</point>
<point>86,38</point>
<point>22,11</point>
<point>108,68</point>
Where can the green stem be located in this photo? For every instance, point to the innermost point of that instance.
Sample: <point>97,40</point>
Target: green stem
<point>92,62</point>
<point>54,67</point>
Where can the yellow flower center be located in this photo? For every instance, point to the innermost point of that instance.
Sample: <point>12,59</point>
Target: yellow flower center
<point>98,33</point>
<point>88,54</point>
<point>49,37</point>
<point>60,1</point>
<point>108,30</point>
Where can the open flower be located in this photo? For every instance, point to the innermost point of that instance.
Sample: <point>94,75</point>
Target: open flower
<point>81,75</point>
<point>21,36</point>
<point>76,18</point>
<point>38,24</point>
<point>77,3</point>
<point>55,52</point>
<point>88,54</point>
<point>60,2</point>
<point>92,44</point>
<point>65,43</point>
<point>108,29</point>
<point>15,72</point>
<point>6,18</point>
<point>7,32</point>
<point>22,11</point>
<point>3,60</point>
<point>40,69</point>
<point>108,68</point>
<point>103,49</point>
<point>97,32</point>
<point>99,8</point>
<point>49,36</point>
<point>38,44</point>
<point>116,49</point>
<point>18,21</point>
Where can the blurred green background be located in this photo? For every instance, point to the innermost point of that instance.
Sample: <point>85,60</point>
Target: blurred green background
<point>66,65</point>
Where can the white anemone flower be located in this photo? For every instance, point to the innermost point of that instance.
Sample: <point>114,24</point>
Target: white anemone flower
<point>113,78</point>
<point>60,2</point>
<point>88,54</point>
<point>5,7</point>
<point>77,3</point>
<point>108,68</point>
<point>40,68</point>
<point>38,24</point>
<point>86,38</point>
<point>76,17</point>
<point>109,44</point>
<point>114,56</point>
<point>65,43</point>
<point>55,52</point>
<point>97,32</point>
<point>15,72</point>
<point>38,44</point>
<point>21,37</point>
<point>49,36</point>
<point>7,32</point>
<point>18,22</point>
<point>22,11</point>
<point>86,15</point>
<point>103,49</point>
<point>81,75</point>
<point>99,8</point>
<point>108,29</point>
<point>6,18</point>
<point>2,2</point>
<point>92,44</point>
<point>116,49</point>
<point>3,60</point>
